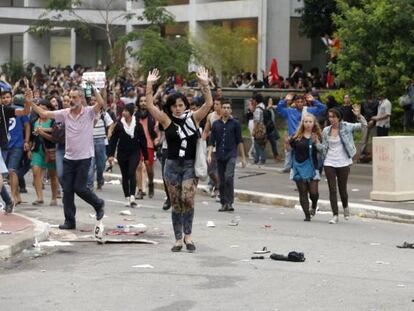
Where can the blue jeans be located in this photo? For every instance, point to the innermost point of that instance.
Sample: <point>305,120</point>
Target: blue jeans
<point>260,154</point>
<point>4,193</point>
<point>272,138</point>
<point>14,157</point>
<point>226,177</point>
<point>60,153</point>
<point>99,161</point>
<point>75,175</point>
<point>288,160</point>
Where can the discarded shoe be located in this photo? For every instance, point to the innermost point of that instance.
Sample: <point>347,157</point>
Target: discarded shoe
<point>292,256</point>
<point>263,251</point>
<point>406,245</point>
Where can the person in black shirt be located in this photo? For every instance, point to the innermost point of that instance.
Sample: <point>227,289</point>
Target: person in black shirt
<point>181,132</point>
<point>129,138</point>
<point>226,137</point>
<point>305,163</point>
<point>346,110</point>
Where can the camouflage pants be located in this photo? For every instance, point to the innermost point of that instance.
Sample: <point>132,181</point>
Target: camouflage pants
<point>179,176</point>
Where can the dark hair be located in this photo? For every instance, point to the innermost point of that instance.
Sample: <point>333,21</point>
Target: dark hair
<point>257,97</point>
<point>130,108</point>
<point>6,92</point>
<point>46,102</point>
<point>172,99</point>
<point>138,99</point>
<point>336,113</point>
<point>226,100</point>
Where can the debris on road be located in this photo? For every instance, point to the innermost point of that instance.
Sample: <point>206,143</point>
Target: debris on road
<point>125,213</point>
<point>375,244</point>
<point>233,222</point>
<point>54,244</point>
<point>113,182</point>
<point>144,266</point>
<point>210,224</point>
<point>292,256</point>
<point>257,257</point>
<point>406,245</point>
<point>380,262</point>
<point>5,232</point>
<point>234,246</point>
<point>268,226</point>
<point>264,250</point>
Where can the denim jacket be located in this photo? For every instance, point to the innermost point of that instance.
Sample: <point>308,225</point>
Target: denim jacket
<point>346,134</point>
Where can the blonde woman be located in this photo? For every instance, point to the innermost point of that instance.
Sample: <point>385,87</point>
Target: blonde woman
<point>304,170</point>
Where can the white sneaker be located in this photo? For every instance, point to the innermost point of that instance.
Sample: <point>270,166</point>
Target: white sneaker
<point>346,213</point>
<point>127,202</point>
<point>99,229</point>
<point>132,202</point>
<point>334,220</point>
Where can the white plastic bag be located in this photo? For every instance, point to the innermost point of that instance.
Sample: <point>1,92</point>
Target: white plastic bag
<point>201,159</point>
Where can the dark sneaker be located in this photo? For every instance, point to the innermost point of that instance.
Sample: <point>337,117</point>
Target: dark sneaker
<point>190,247</point>
<point>139,195</point>
<point>101,212</point>
<point>223,208</point>
<point>23,190</point>
<point>67,226</point>
<point>150,190</point>
<point>9,207</point>
<point>167,205</point>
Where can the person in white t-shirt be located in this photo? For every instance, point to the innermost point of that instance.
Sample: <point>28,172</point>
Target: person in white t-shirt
<point>383,117</point>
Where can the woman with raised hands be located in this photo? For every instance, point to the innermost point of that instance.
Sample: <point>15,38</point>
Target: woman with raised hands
<point>181,132</point>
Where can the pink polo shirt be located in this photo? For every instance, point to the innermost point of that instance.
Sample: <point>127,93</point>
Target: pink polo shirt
<point>78,132</point>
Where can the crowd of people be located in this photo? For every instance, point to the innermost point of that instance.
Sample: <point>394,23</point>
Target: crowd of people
<point>66,130</point>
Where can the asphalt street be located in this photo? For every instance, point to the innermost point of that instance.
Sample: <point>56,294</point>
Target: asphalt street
<point>353,265</point>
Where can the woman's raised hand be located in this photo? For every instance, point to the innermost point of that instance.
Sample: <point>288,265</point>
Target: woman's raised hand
<point>202,75</point>
<point>356,109</point>
<point>153,75</point>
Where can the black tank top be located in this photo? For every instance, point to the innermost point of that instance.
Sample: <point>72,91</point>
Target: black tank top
<point>181,136</point>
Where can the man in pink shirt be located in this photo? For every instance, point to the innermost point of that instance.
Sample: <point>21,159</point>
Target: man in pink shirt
<point>79,122</point>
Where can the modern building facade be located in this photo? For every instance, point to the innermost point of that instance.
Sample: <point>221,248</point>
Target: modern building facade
<point>272,24</point>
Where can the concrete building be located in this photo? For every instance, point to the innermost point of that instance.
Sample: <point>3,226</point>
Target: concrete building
<point>273,24</point>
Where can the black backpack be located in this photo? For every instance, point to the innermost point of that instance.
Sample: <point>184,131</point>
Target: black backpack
<point>267,120</point>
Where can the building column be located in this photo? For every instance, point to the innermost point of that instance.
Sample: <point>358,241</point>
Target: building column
<point>72,47</point>
<point>278,35</point>
<point>262,38</point>
<point>36,49</point>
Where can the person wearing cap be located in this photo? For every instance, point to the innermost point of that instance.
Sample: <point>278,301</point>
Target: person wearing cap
<point>79,121</point>
<point>19,130</point>
<point>6,113</point>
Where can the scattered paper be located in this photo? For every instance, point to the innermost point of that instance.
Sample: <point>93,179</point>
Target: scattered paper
<point>375,244</point>
<point>210,224</point>
<point>54,244</point>
<point>234,246</point>
<point>205,202</point>
<point>379,262</point>
<point>401,285</point>
<point>138,226</point>
<point>144,266</point>
<point>113,182</point>
<point>5,232</point>
<point>233,222</point>
<point>125,213</point>
<point>355,190</point>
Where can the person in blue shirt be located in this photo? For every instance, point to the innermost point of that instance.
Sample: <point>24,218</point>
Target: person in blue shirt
<point>293,115</point>
<point>19,133</point>
<point>226,137</point>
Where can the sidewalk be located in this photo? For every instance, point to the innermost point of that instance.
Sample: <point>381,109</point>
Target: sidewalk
<point>18,232</point>
<point>267,185</point>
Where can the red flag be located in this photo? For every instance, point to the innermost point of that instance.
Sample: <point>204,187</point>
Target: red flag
<point>274,77</point>
<point>330,80</point>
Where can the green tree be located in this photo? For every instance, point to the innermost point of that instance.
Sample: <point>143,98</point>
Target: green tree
<point>171,55</point>
<point>377,49</point>
<point>317,16</point>
<point>63,13</point>
<point>226,50</point>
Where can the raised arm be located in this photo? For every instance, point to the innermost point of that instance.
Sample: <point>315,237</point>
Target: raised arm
<point>28,98</point>
<point>157,114</point>
<point>203,81</point>
<point>99,100</point>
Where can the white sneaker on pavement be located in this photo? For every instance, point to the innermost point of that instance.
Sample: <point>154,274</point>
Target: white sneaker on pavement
<point>334,220</point>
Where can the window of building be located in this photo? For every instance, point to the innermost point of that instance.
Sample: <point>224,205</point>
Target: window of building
<point>60,50</point>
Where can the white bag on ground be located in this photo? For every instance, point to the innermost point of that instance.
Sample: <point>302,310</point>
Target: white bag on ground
<point>201,159</point>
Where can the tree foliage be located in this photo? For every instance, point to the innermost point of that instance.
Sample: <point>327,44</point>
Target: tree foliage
<point>377,47</point>
<point>225,50</point>
<point>317,16</point>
